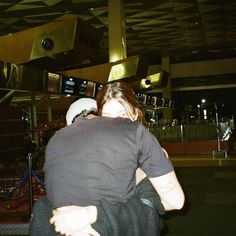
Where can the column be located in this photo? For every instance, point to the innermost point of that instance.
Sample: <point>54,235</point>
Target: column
<point>34,122</point>
<point>116,33</point>
<point>166,92</point>
<point>49,108</point>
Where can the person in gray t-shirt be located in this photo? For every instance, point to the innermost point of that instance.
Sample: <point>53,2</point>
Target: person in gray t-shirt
<point>96,158</point>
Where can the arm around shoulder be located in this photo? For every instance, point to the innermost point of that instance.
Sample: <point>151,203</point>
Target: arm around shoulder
<point>169,190</point>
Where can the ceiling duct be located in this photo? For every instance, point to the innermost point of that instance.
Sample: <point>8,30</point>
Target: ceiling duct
<point>130,69</point>
<point>73,45</point>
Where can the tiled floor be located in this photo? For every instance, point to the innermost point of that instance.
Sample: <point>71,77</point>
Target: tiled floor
<point>210,207</point>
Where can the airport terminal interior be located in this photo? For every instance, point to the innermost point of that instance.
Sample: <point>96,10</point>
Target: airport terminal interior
<point>179,57</point>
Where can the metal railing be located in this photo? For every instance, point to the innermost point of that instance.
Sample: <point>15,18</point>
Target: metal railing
<point>191,132</point>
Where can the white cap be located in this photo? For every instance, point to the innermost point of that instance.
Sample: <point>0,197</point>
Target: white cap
<point>78,106</point>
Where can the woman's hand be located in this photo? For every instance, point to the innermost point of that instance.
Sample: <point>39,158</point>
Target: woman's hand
<point>75,220</point>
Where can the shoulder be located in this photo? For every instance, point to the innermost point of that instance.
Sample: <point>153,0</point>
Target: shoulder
<point>58,135</point>
<point>142,130</point>
<point>125,124</point>
<point>115,121</point>
<point>144,135</point>
<point>62,131</point>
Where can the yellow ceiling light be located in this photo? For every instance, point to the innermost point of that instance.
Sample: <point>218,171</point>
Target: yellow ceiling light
<point>150,81</point>
<point>145,83</point>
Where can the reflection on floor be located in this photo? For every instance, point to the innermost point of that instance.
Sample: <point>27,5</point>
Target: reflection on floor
<point>210,207</point>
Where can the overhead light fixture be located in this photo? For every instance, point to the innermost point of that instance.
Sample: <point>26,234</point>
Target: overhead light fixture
<point>145,83</point>
<point>157,80</point>
<point>148,82</point>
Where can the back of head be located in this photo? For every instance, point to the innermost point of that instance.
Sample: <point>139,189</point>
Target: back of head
<point>81,107</point>
<point>124,94</point>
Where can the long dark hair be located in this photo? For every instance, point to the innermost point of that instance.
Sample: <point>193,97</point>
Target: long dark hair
<point>124,94</point>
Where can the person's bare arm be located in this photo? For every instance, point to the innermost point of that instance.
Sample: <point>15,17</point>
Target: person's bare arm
<point>169,190</point>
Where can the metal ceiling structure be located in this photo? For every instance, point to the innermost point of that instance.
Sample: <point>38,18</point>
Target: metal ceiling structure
<point>186,29</point>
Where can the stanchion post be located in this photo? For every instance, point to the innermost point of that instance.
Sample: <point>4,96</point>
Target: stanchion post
<point>218,152</point>
<point>30,182</point>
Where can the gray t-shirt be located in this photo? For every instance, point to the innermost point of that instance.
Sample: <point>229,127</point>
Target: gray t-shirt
<point>95,159</point>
